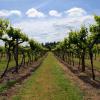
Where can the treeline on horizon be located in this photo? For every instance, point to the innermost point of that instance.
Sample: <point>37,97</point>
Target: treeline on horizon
<point>81,44</point>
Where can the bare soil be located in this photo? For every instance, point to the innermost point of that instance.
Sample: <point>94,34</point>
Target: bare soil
<point>84,81</point>
<point>89,87</point>
<point>19,78</point>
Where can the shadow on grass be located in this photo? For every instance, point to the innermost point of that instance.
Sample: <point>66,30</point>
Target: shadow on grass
<point>4,87</point>
<point>85,78</point>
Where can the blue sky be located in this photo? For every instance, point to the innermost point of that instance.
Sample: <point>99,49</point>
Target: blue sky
<point>49,20</point>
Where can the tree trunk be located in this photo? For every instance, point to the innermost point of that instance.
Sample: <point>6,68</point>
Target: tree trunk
<point>79,61</point>
<point>16,56</point>
<point>91,58</point>
<point>83,61</point>
<point>73,58</point>
<point>63,58</point>
<point>95,56</point>
<point>70,58</point>
<point>9,58</point>
<point>23,60</point>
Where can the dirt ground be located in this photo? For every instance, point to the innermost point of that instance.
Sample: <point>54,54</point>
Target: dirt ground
<point>23,74</point>
<point>90,88</point>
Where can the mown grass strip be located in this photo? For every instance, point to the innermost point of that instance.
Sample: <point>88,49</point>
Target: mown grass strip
<point>48,83</point>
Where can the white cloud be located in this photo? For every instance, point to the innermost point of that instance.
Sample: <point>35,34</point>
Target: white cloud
<point>52,29</point>
<point>76,12</point>
<point>55,13</point>
<point>15,12</point>
<point>34,13</point>
<point>7,13</point>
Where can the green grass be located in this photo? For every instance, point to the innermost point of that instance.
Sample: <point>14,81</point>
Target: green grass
<point>10,83</point>
<point>88,63</point>
<point>6,86</point>
<point>48,82</point>
<point>3,63</point>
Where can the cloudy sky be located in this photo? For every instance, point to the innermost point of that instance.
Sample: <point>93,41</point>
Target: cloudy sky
<point>49,20</point>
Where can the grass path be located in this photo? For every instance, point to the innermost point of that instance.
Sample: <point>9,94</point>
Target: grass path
<point>48,83</point>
